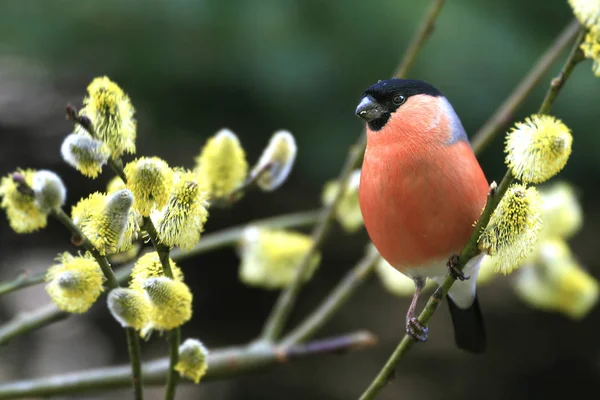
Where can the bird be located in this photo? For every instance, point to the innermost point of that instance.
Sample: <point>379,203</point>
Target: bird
<point>421,191</point>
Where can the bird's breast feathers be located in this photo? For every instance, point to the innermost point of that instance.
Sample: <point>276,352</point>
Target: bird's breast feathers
<point>420,198</point>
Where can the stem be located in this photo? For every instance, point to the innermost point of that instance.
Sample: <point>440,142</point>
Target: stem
<point>470,250</point>
<point>504,113</point>
<point>211,241</point>
<point>174,334</point>
<point>334,301</point>
<point>23,280</point>
<point>222,363</point>
<point>133,344</point>
<point>172,375</point>
<point>277,319</point>
<point>26,322</point>
<point>418,40</point>
<point>111,279</point>
<point>575,57</point>
<point>46,315</point>
<point>133,347</point>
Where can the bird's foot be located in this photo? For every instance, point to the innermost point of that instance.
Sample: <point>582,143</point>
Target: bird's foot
<point>415,330</point>
<point>453,264</point>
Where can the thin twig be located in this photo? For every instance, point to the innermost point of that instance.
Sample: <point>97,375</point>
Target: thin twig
<point>26,323</point>
<point>334,301</point>
<point>210,241</point>
<point>22,281</point>
<point>222,363</point>
<point>277,319</point>
<point>504,113</point>
<point>470,250</point>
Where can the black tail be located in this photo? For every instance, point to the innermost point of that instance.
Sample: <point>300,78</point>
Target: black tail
<point>469,330</point>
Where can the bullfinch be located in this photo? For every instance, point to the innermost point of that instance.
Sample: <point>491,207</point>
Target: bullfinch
<point>421,191</point>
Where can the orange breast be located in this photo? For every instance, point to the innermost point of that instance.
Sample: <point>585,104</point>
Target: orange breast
<point>419,199</point>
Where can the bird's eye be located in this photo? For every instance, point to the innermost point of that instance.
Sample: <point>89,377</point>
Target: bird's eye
<point>399,99</point>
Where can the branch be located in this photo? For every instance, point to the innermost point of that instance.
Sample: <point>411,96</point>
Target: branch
<point>23,280</point>
<point>29,321</point>
<point>471,250</point>
<point>277,319</point>
<point>21,325</point>
<point>211,241</point>
<point>504,113</point>
<point>222,363</point>
<point>334,301</point>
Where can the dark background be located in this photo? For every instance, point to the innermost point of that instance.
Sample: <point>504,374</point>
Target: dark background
<point>193,67</point>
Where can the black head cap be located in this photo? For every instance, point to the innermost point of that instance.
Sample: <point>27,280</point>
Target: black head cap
<point>379,101</point>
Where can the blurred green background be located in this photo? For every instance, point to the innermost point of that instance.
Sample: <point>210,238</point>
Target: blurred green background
<point>193,67</point>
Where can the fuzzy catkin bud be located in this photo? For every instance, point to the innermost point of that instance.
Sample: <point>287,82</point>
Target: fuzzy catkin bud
<point>586,11</point>
<point>561,212</point>
<point>181,221</point>
<point>221,166</point>
<point>85,153</point>
<point>193,360</point>
<point>107,221</point>
<point>269,258</point>
<point>591,48</point>
<point>111,113</point>
<point>150,180</point>
<point>74,283</point>
<point>149,266</point>
<point>561,286</point>
<point>171,301</point>
<point>49,190</point>
<point>22,210</point>
<point>513,229</point>
<point>130,308</point>
<point>348,212</point>
<point>276,161</point>
<point>538,148</point>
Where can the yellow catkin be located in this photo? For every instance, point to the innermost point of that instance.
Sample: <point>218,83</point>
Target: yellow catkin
<point>149,266</point>
<point>348,212</point>
<point>111,113</point>
<point>193,360</point>
<point>84,153</point>
<point>150,180</point>
<point>22,211</point>
<point>269,258</point>
<point>591,48</point>
<point>74,283</point>
<point>276,161</point>
<point>182,220</point>
<point>107,221</point>
<point>221,166</point>
<point>171,302</point>
<point>586,11</point>
<point>131,308</point>
<point>538,148</point>
<point>514,227</point>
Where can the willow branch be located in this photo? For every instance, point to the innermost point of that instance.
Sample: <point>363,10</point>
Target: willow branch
<point>133,343</point>
<point>222,363</point>
<point>334,301</point>
<point>22,281</point>
<point>471,250</point>
<point>46,315</point>
<point>504,113</point>
<point>277,319</point>
<point>28,321</point>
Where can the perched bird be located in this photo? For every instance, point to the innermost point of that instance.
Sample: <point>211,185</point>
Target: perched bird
<point>421,190</point>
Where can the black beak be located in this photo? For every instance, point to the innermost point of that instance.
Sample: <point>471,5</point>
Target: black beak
<point>369,109</point>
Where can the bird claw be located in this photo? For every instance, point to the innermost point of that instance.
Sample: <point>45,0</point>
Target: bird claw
<point>415,330</point>
<point>453,269</point>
